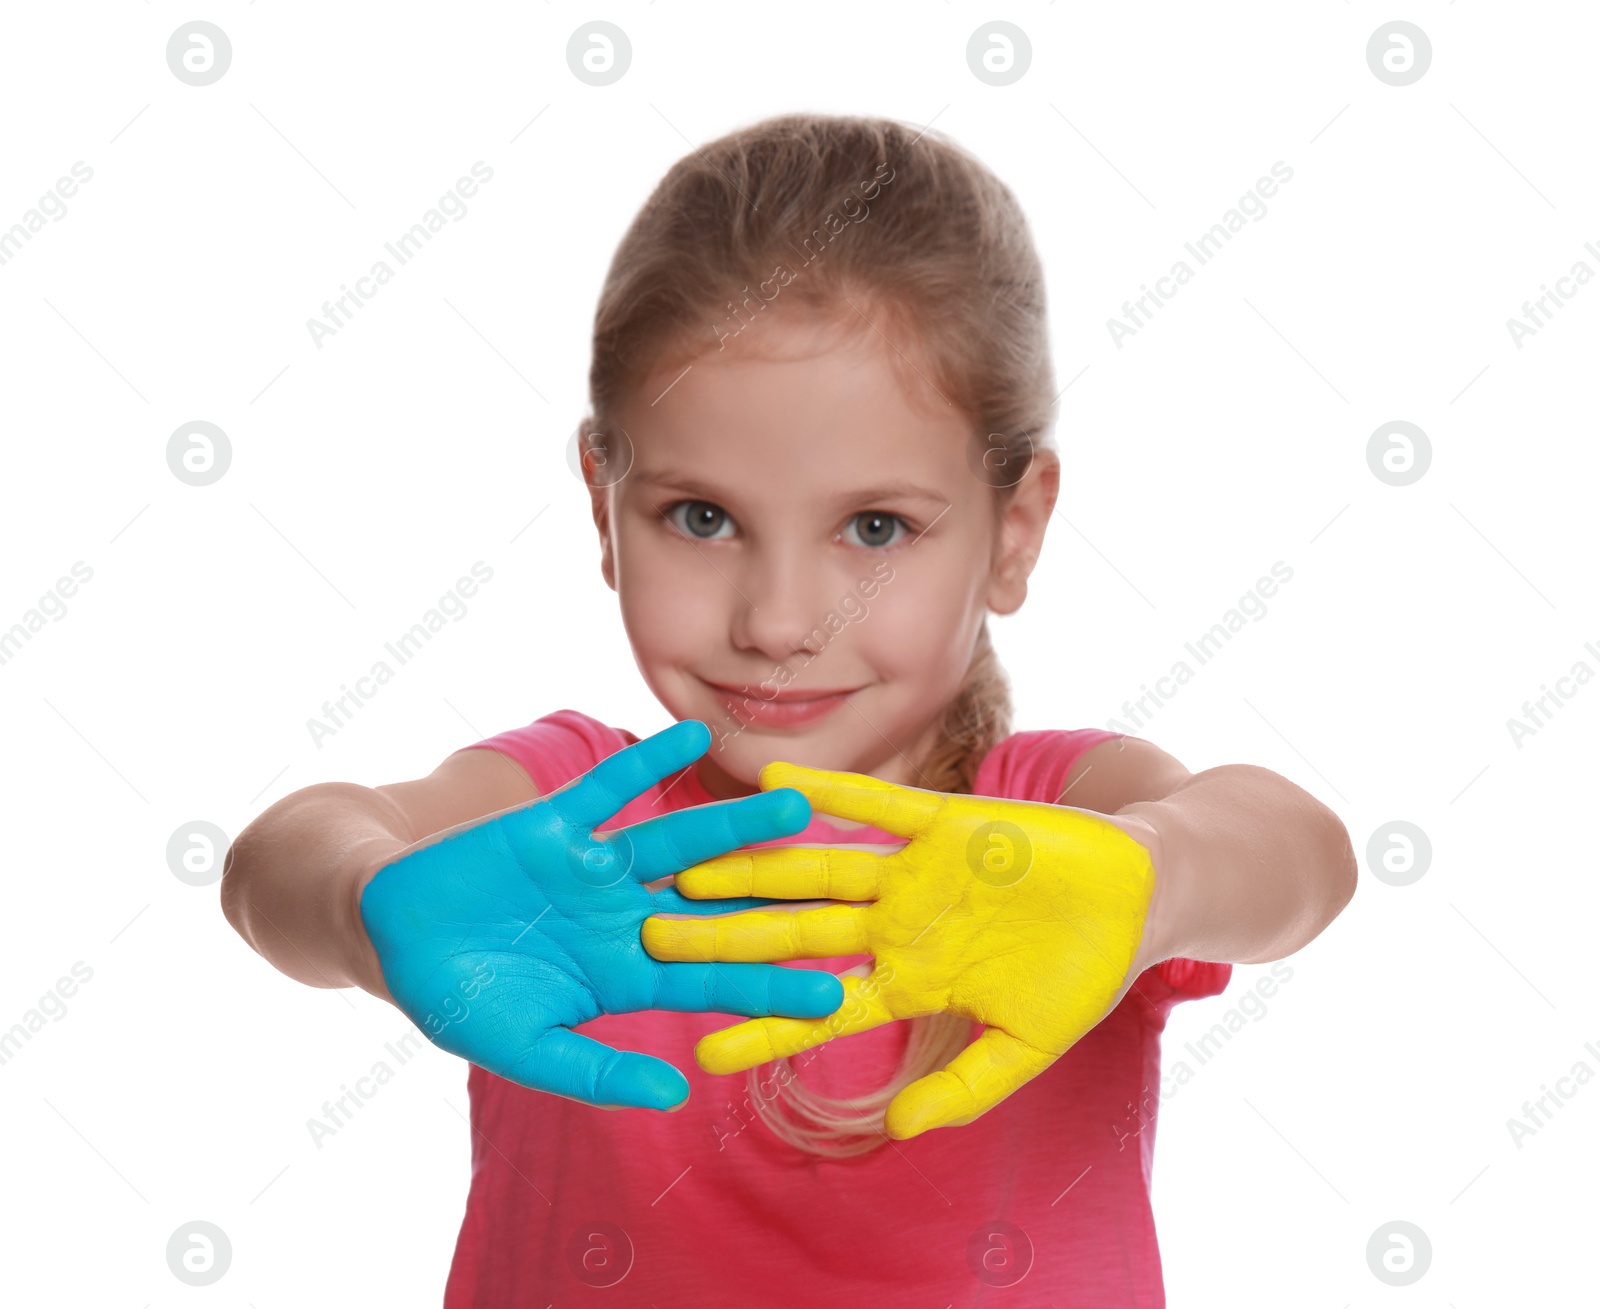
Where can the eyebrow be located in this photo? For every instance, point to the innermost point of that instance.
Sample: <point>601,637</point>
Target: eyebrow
<point>883,491</point>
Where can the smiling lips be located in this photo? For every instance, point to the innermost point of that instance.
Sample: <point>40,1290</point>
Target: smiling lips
<point>787,708</point>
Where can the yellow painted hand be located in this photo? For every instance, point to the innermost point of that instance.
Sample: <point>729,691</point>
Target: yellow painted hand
<point>1025,917</point>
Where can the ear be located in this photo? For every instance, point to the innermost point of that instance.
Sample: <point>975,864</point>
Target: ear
<point>600,502</point>
<point>599,507</point>
<point>1019,536</point>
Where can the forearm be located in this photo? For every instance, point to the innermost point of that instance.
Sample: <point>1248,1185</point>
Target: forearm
<point>292,879</point>
<point>1249,867</point>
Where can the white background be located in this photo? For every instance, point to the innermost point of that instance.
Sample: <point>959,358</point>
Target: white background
<point>368,475</point>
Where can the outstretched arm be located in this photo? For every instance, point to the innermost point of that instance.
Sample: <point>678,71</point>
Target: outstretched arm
<point>1033,919</point>
<point>1249,866</point>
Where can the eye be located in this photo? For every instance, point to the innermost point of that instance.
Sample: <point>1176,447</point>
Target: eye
<point>876,529</point>
<point>700,520</point>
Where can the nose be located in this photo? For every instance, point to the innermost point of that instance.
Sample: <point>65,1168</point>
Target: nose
<point>782,603</point>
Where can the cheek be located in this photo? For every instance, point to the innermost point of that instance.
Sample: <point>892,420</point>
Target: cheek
<point>669,601</point>
<point>915,628</point>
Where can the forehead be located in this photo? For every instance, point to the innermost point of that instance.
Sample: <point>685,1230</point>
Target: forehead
<point>799,403</point>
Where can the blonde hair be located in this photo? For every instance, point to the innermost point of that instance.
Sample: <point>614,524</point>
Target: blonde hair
<point>867,216</point>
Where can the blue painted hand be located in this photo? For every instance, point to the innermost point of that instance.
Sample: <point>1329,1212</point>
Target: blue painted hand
<point>501,937</point>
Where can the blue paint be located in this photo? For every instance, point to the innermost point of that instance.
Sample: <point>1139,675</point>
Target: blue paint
<point>499,939</point>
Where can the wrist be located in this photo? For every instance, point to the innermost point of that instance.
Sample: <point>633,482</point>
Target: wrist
<point>1143,822</point>
<point>364,966</point>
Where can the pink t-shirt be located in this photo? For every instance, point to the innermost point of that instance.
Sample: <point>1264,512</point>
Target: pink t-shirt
<point>570,1204</point>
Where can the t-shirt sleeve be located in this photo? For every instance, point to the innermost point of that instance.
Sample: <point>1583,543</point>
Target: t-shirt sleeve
<point>1192,979</point>
<point>1034,766</point>
<point>558,747</point>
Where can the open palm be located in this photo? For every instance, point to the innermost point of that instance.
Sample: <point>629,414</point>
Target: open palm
<point>1025,917</point>
<point>499,938</point>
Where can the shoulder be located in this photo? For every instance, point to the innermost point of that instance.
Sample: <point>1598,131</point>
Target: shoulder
<point>1121,771</point>
<point>1086,767</point>
<point>1035,765</point>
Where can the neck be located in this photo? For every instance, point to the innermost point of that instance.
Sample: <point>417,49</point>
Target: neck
<point>718,783</point>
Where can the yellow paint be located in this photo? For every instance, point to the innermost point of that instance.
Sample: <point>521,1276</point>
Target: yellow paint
<point>1025,917</point>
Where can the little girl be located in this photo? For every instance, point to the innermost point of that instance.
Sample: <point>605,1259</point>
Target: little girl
<point>818,459</point>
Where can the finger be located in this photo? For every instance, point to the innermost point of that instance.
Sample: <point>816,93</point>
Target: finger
<point>903,810</point>
<point>668,900</point>
<point>754,990</point>
<point>672,842</point>
<point>790,872</point>
<point>759,936</point>
<point>745,1045</point>
<point>598,794</point>
<point>972,1083</point>
<point>568,1063</point>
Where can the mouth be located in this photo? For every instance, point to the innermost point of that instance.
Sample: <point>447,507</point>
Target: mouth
<point>789,707</point>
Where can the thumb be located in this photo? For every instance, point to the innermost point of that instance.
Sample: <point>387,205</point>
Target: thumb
<point>569,1064</point>
<point>971,1084</point>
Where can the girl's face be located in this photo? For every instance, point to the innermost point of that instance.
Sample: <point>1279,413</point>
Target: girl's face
<point>804,552</point>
